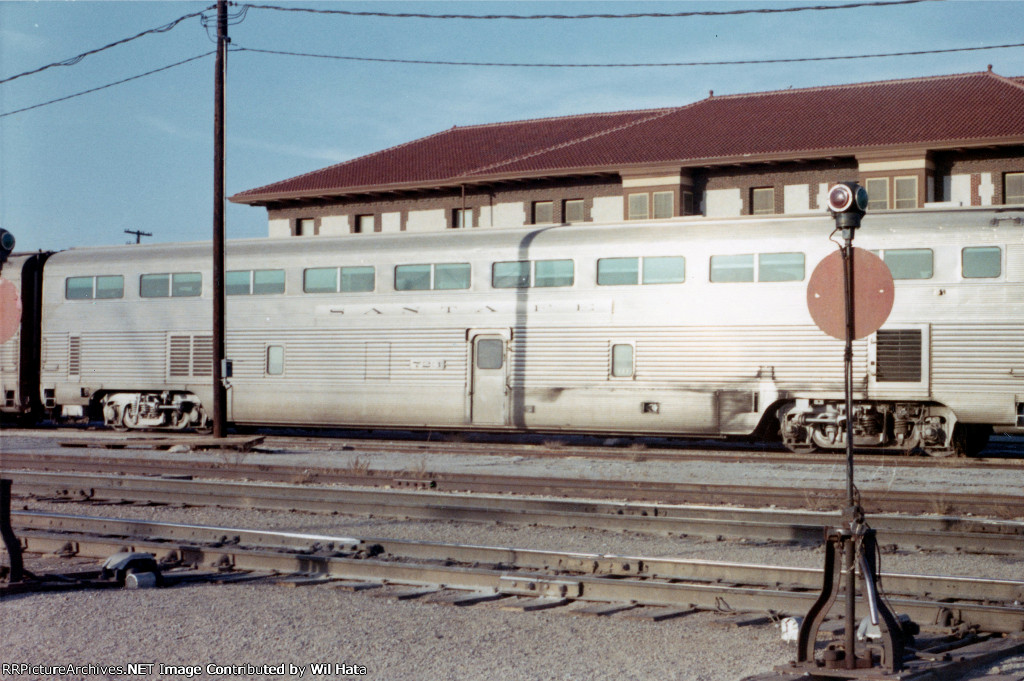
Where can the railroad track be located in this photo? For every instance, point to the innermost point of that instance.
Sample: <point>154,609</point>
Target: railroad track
<point>529,579</point>
<point>945,533</point>
<point>758,496</point>
<point>1003,451</point>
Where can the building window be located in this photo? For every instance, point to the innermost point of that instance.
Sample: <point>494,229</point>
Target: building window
<point>1013,188</point>
<point>638,206</point>
<point>983,262</point>
<point>543,212</point>
<point>462,218</point>
<point>363,224</point>
<point>762,201</point>
<point>305,227</point>
<point>878,193</point>
<point>664,204</point>
<point>687,203</point>
<point>572,210</point>
<point>906,192</point>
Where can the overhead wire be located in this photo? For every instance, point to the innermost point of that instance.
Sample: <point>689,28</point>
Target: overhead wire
<point>76,59</point>
<point>239,48</point>
<point>108,85</point>
<point>632,15</point>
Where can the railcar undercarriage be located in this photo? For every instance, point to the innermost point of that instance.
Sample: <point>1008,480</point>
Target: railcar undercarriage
<point>815,425</point>
<point>166,410</point>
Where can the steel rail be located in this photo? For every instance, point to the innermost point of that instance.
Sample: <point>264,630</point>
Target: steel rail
<point>999,506</point>
<point>940,533</point>
<point>515,578</point>
<point>798,578</point>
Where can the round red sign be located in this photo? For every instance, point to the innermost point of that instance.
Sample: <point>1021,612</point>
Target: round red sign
<point>873,294</point>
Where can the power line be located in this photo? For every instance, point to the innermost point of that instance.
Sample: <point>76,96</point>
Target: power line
<point>74,60</point>
<point>637,15</point>
<point>108,85</point>
<point>634,65</point>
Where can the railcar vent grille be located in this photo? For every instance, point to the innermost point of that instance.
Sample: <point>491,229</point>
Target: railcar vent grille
<point>202,356</point>
<point>75,356</point>
<point>899,356</point>
<point>190,356</point>
<point>180,356</point>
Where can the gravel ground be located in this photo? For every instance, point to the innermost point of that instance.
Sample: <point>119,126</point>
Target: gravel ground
<point>265,624</point>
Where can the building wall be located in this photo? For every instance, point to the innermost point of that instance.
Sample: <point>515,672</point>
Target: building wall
<point>967,177</point>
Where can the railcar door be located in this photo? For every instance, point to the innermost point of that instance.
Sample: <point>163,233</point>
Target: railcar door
<point>489,398</point>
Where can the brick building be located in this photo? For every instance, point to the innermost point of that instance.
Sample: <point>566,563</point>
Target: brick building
<point>949,140</point>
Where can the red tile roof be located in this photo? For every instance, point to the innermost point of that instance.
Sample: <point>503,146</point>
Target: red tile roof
<point>931,113</point>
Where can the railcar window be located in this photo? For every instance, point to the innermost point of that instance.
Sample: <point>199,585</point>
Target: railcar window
<point>618,271</point>
<point>253,282</point>
<point>527,273</point>
<point>320,280</point>
<point>665,270</point>
<point>514,274</point>
<point>78,288</point>
<point>177,285</point>
<point>155,285</point>
<point>909,263</point>
<point>359,279</point>
<point>238,283</point>
<point>780,267</point>
<point>982,262</point>
<point>622,360</point>
<point>275,360</point>
<point>109,287</point>
<point>732,268</point>
<point>550,273</point>
<point>452,276</point>
<point>490,353</point>
<point>442,277</point>
<point>88,288</point>
<point>412,278</point>
<point>186,284</point>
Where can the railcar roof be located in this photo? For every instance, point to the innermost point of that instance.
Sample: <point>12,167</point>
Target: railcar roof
<point>560,238</point>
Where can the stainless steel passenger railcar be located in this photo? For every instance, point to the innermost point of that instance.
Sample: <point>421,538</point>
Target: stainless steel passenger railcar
<point>675,327</point>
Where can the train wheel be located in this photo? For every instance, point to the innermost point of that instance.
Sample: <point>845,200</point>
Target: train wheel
<point>129,417</point>
<point>805,448</point>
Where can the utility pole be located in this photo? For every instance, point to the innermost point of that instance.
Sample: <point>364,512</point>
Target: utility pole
<point>220,400</point>
<point>138,234</point>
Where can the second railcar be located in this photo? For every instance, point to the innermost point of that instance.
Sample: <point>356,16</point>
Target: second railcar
<point>675,327</point>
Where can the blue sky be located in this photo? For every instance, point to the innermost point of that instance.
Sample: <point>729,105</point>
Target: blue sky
<point>139,155</point>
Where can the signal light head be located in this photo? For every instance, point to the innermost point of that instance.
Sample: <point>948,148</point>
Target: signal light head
<point>6,244</point>
<point>847,197</point>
